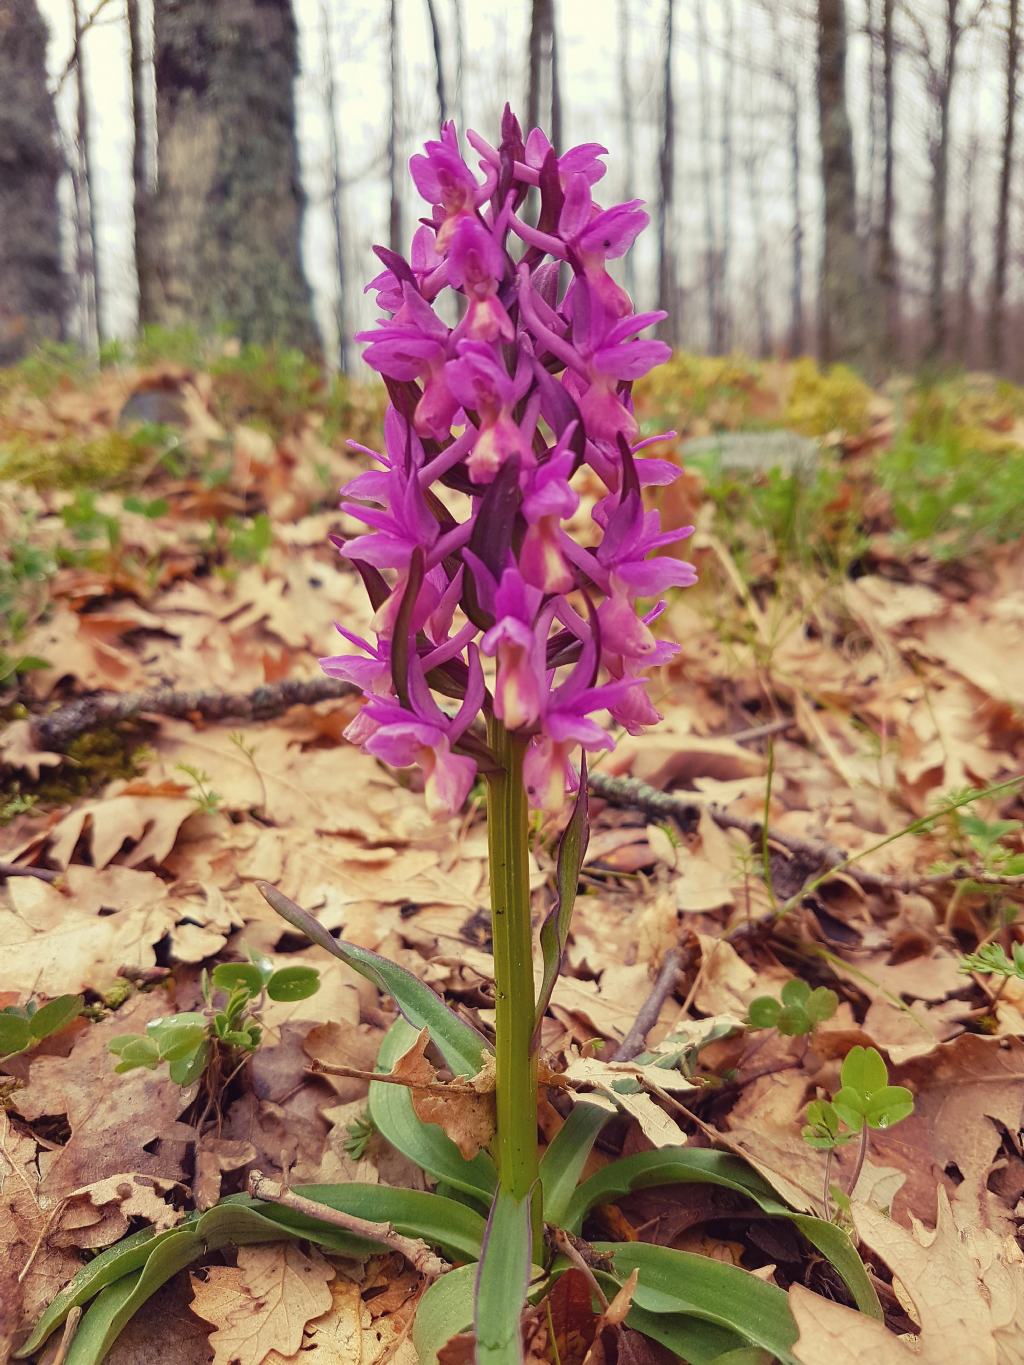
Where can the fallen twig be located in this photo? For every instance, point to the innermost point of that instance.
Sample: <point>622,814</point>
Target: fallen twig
<point>56,730</point>
<point>419,1255</point>
<point>635,1039</point>
<point>45,874</point>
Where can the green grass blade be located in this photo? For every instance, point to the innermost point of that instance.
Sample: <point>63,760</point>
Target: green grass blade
<point>673,1282</point>
<point>566,1155</point>
<point>462,1046</point>
<point>424,1143</point>
<point>676,1165</point>
<point>445,1310</point>
<point>503,1277</point>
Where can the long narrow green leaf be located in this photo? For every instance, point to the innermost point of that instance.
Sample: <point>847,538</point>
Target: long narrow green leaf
<point>424,1143</point>
<point>463,1047</point>
<point>144,1261</point>
<point>445,1310</point>
<point>554,932</point>
<point>118,1261</point>
<point>563,1162</point>
<point>453,1227</point>
<point>693,1340</point>
<point>673,1282</point>
<point>503,1278</point>
<point>678,1165</point>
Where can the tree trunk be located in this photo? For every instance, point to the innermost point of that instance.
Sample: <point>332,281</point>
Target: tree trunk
<point>223,228</point>
<point>628,161</point>
<point>844,312</point>
<point>543,75</point>
<point>86,263</point>
<point>668,290</point>
<point>965,309</point>
<point>725,245</point>
<point>796,322</point>
<point>460,66</point>
<point>997,320</point>
<point>395,230</point>
<point>335,193</point>
<point>140,155</point>
<point>707,184</point>
<point>31,284</point>
<point>752,162</point>
<point>886,266</point>
<point>936,348</point>
<point>435,37</point>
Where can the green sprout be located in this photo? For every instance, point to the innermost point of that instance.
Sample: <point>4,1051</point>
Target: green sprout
<point>798,1013</point>
<point>187,1042</point>
<point>865,1100</point>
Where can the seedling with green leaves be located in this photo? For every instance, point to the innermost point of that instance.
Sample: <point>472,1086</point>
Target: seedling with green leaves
<point>799,1011</point>
<point>865,1100</point>
<point>229,1026</point>
<point>22,1026</point>
<point>993,960</point>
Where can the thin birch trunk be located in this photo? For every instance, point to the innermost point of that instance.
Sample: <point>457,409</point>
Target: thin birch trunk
<point>87,265</point>
<point>395,233</point>
<point>710,244</point>
<point>997,318</point>
<point>438,45</point>
<point>336,191</point>
<point>668,290</point>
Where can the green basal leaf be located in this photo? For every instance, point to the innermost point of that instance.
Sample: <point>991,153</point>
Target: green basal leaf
<point>462,1046</point>
<point>15,1034</point>
<point>445,1223</point>
<point>445,1310</point>
<point>503,1277</point>
<point>692,1339</point>
<point>682,1282</point>
<point>566,1155</point>
<point>129,1273</point>
<point>113,1264</point>
<point>424,1143</point>
<point>55,1015</point>
<point>674,1165</point>
<point>863,1069</point>
<point>229,976</point>
<point>294,983</point>
<point>554,932</point>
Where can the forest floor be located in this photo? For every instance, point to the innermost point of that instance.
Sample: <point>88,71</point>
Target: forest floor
<point>852,670</point>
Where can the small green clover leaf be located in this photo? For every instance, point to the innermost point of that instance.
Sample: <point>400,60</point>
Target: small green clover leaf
<point>293,983</point>
<point>865,1099</point>
<point>799,1013</point>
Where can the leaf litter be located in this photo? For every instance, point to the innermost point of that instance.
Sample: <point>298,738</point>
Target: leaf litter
<point>843,703</point>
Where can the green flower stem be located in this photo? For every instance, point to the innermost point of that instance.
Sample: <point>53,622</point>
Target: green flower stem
<point>508,847</point>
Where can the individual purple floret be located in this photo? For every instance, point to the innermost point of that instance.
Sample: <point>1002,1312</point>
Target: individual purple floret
<point>486,605</point>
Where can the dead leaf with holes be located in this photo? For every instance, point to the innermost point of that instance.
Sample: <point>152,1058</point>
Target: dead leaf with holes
<point>963,1287</point>
<point>463,1108</point>
<point>262,1304</point>
<point>100,1213</point>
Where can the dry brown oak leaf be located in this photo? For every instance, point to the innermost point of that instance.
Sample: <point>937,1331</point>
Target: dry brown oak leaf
<point>963,1287</point>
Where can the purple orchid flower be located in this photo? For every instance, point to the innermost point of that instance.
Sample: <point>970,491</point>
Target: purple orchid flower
<point>466,549</point>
